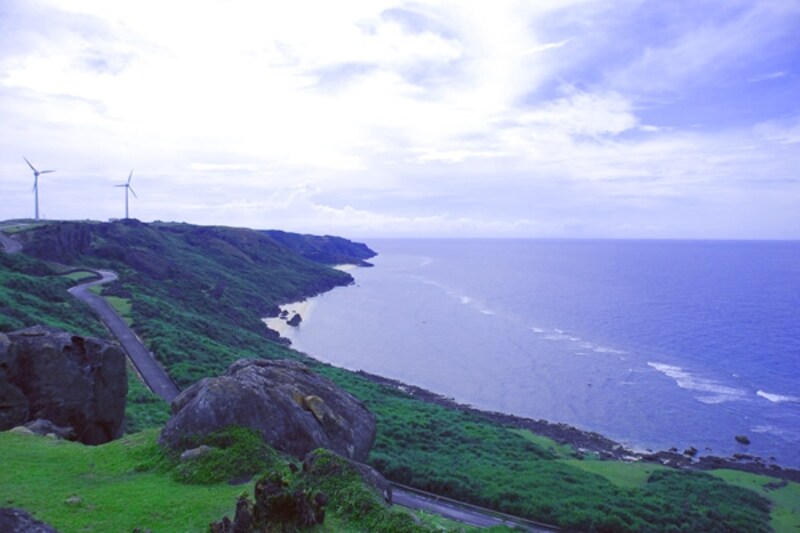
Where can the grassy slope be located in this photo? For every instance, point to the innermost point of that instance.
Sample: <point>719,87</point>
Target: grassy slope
<point>114,496</point>
<point>128,484</point>
<point>207,317</point>
<point>785,516</point>
<point>31,293</point>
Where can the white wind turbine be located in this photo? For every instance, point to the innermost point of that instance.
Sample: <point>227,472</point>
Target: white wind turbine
<point>36,183</point>
<point>128,187</point>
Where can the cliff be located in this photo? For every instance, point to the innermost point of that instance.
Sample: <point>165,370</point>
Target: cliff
<point>327,250</point>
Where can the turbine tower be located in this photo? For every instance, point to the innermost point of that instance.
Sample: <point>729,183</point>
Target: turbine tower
<point>36,183</point>
<point>128,187</point>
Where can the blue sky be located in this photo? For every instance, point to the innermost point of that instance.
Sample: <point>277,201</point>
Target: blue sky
<point>554,118</point>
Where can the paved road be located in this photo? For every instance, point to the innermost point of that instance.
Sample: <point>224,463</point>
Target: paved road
<point>153,375</point>
<point>461,512</point>
<point>10,246</point>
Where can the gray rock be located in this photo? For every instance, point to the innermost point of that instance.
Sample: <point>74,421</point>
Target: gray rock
<point>13,406</point>
<point>69,380</point>
<point>45,427</point>
<point>19,521</point>
<point>294,410</point>
<point>194,453</point>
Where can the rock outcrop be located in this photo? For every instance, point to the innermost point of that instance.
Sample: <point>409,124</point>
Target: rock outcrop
<point>71,381</point>
<point>18,521</point>
<point>294,410</point>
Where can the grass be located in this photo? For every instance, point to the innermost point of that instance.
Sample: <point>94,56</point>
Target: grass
<point>122,306</point>
<point>41,475</point>
<point>556,449</point>
<point>144,409</point>
<point>130,483</point>
<point>470,458</point>
<point>624,475</point>
<point>785,515</point>
<point>81,275</point>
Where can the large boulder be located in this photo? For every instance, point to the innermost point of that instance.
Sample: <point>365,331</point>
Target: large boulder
<point>67,379</point>
<point>293,409</point>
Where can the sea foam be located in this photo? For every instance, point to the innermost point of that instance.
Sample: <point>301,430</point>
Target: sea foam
<point>777,398</point>
<point>719,393</point>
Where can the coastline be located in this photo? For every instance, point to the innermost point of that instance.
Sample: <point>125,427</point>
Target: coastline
<point>583,441</point>
<point>590,442</point>
<point>280,323</point>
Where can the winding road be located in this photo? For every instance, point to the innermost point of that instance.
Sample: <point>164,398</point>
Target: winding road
<point>156,379</point>
<point>462,512</point>
<point>152,374</point>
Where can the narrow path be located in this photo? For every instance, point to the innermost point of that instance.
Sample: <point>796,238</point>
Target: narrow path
<point>156,379</point>
<point>462,512</point>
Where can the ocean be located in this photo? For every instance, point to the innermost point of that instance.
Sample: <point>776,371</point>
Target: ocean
<point>655,344</point>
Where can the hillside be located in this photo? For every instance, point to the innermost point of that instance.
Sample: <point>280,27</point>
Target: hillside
<point>196,296</point>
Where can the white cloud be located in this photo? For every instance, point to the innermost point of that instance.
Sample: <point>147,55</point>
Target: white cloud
<point>437,117</point>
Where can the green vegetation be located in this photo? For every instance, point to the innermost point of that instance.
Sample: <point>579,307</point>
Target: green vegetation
<point>784,496</point>
<point>32,293</point>
<point>122,306</point>
<point>196,296</point>
<point>236,453</point>
<point>130,483</point>
<point>467,457</point>
<point>103,488</point>
<point>79,276</point>
<point>144,409</point>
<point>626,475</point>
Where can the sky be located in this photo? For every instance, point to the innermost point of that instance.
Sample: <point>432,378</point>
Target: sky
<point>373,118</point>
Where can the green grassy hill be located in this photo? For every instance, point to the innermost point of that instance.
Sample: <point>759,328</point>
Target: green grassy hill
<point>196,296</point>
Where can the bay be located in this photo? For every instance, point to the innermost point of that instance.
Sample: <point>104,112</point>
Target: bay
<point>656,344</point>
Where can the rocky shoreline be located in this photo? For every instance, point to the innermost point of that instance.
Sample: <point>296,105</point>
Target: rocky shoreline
<point>589,442</point>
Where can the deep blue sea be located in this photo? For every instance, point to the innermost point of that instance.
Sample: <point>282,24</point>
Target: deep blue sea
<point>653,343</point>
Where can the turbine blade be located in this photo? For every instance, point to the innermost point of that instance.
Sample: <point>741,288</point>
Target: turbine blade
<point>45,171</point>
<point>29,164</point>
<point>123,185</point>
<point>35,182</point>
<point>132,191</point>
<point>129,177</point>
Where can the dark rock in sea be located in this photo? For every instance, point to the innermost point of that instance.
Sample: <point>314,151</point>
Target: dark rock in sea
<point>742,439</point>
<point>19,521</point>
<point>294,410</point>
<point>295,320</point>
<point>70,381</point>
<point>690,451</point>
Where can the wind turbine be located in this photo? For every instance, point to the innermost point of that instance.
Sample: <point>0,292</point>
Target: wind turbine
<point>128,187</point>
<point>36,183</point>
